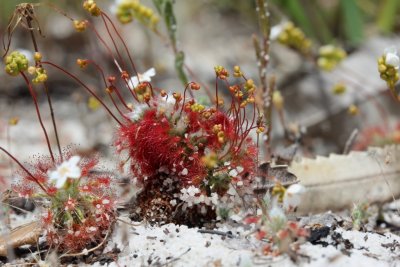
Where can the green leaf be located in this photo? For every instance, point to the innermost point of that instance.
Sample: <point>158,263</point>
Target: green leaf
<point>170,20</point>
<point>179,63</point>
<point>387,16</point>
<point>166,10</point>
<point>352,21</point>
<point>298,14</point>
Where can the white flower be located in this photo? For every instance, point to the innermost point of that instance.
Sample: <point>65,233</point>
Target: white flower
<point>276,31</point>
<point>67,169</point>
<point>137,112</point>
<point>392,57</point>
<point>144,77</point>
<point>293,196</point>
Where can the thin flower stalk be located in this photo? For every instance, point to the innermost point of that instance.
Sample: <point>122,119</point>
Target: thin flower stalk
<point>83,85</point>
<point>33,95</point>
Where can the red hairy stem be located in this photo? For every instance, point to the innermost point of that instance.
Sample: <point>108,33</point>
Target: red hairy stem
<point>112,40</point>
<point>85,86</point>
<point>131,90</point>
<point>46,89</point>
<point>53,119</point>
<point>206,88</point>
<point>24,169</point>
<point>151,87</point>
<point>120,97</point>
<point>184,96</point>
<point>97,66</point>
<point>216,92</point>
<point>122,41</point>
<point>107,47</point>
<point>247,129</point>
<point>38,114</point>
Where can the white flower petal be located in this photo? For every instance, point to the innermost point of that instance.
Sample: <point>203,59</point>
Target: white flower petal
<point>392,60</point>
<point>74,160</point>
<point>53,175</point>
<point>134,81</point>
<point>74,173</point>
<point>61,181</point>
<point>276,31</point>
<point>149,73</point>
<point>296,189</point>
<point>293,196</point>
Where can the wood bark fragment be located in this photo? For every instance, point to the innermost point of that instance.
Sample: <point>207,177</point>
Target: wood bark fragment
<point>338,181</point>
<point>27,234</point>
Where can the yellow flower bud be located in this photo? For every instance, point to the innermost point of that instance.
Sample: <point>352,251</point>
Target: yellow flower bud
<point>277,100</point>
<point>93,103</point>
<point>37,56</point>
<point>82,63</point>
<point>32,70</point>
<point>353,110</point>
<point>260,129</point>
<point>13,121</point>
<point>80,25</point>
<point>339,89</point>
<point>210,160</point>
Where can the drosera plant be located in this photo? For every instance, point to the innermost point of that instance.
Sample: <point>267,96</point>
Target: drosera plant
<point>273,224</point>
<point>360,215</point>
<point>78,206</point>
<point>186,155</point>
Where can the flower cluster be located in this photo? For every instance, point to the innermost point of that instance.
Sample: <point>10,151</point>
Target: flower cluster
<point>39,73</point>
<point>294,38</point>
<point>127,10</point>
<point>330,56</point>
<point>79,205</point>
<point>388,67</point>
<point>92,7</point>
<point>16,62</point>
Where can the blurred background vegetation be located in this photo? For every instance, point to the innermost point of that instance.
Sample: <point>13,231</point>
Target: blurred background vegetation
<point>203,29</point>
<point>328,21</point>
<point>325,21</point>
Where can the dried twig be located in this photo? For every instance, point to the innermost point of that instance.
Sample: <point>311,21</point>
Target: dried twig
<point>216,232</point>
<point>85,252</point>
<point>350,141</point>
